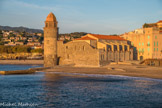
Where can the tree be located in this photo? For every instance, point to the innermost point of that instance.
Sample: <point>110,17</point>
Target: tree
<point>11,35</point>
<point>37,50</point>
<point>41,38</point>
<point>23,34</point>
<point>145,25</point>
<point>20,41</point>
<point>66,40</point>
<point>1,34</point>
<point>15,49</point>
<point>1,38</point>
<point>1,43</point>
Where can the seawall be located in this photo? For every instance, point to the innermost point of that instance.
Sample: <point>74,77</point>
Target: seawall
<point>28,71</point>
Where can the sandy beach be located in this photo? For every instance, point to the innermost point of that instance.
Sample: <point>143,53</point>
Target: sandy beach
<point>126,69</point>
<point>114,69</point>
<point>22,62</point>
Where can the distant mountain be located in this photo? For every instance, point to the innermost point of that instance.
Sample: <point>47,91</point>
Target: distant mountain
<point>21,29</point>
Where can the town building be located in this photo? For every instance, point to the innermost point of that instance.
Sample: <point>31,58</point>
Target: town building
<point>89,50</point>
<point>147,41</point>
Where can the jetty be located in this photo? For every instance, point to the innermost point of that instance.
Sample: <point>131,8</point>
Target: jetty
<point>28,71</point>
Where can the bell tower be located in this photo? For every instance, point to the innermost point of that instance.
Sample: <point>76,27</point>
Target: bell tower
<point>50,41</point>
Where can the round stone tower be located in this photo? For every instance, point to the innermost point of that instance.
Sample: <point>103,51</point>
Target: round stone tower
<point>50,41</point>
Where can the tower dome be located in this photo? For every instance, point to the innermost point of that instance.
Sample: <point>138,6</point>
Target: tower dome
<point>51,17</point>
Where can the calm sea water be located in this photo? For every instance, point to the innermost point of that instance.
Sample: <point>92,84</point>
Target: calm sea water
<point>60,90</point>
<point>17,67</point>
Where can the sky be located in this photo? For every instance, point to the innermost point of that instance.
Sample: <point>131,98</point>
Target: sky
<point>91,16</point>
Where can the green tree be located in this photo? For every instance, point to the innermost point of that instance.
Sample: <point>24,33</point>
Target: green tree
<point>20,41</point>
<point>41,38</point>
<point>37,50</point>
<point>23,34</point>
<point>15,49</point>
<point>66,40</point>
<point>11,35</point>
<point>1,38</point>
<point>1,43</point>
<point>145,25</point>
<point>1,34</point>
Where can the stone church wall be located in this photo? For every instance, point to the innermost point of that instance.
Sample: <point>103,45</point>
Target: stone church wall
<point>77,53</point>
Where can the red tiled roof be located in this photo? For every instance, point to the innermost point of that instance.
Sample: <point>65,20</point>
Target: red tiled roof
<point>108,37</point>
<point>159,21</point>
<point>85,38</point>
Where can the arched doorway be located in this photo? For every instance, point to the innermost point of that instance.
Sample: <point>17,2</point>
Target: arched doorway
<point>141,57</point>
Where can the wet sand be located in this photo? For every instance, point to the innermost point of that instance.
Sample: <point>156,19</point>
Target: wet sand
<point>127,69</point>
<point>114,69</point>
<point>22,62</point>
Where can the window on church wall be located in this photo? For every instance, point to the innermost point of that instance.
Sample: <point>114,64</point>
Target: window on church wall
<point>55,24</point>
<point>120,48</point>
<point>109,48</point>
<point>66,47</point>
<point>125,47</point>
<point>115,48</point>
<point>83,48</point>
<point>67,56</point>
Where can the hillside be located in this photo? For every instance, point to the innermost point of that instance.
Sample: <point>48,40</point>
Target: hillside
<point>74,34</point>
<point>21,29</point>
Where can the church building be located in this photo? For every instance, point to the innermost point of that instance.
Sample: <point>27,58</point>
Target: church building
<point>91,50</point>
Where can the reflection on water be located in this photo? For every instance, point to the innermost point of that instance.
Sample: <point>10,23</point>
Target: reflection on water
<point>81,91</point>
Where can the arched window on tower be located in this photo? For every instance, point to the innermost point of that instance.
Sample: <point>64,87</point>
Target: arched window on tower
<point>55,24</point>
<point>46,24</point>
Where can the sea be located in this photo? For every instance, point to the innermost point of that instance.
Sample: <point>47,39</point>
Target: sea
<point>65,90</point>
